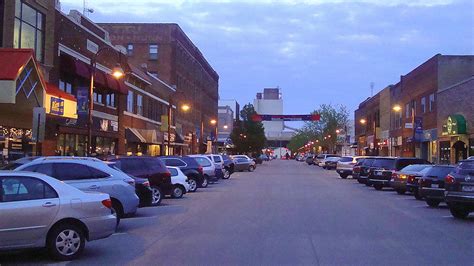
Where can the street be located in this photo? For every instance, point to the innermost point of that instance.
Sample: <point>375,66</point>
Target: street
<point>284,213</point>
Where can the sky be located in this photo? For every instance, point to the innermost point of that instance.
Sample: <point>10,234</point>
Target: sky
<point>316,51</point>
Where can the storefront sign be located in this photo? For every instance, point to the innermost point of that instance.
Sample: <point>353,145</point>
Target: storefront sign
<point>164,123</point>
<point>454,125</point>
<point>56,106</point>
<point>105,125</point>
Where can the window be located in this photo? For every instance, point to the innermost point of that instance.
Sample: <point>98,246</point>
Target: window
<point>129,49</point>
<point>25,188</point>
<point>28,29</point>
<point>174,162</point>
<point>110,99</point>
<point>130,101</point>
<point>407,111</point>
<point>153,51</point>
<point>432,102</point>
<point>72,171</point>
<point>203,161</point>
<point>173,171</point>
<point>423,105</point>
<point>139,104</point>
<point>98,98</point>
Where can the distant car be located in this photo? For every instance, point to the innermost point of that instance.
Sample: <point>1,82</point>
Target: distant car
<point>459,186</point>
<point>321,159</point>
<point>244,164</point>
<point>180,182</point>
<point>208,168</point>
<point>219,163</point>
<point>90,174</point>
<point>331,163</point>
<point>252,161</point>
<point>431,184</point>
<point>399,179</point>
<point>309,159</point>
<point>19,162</point>
<point>412,182</point>
<point>190,167</point>
<point>147,167</point>
<point>41,211</point>
<point>228,166</point>
<point>346,165</point>
<point>381,170</point>
<point>264,157</point>
<point>361,170</point>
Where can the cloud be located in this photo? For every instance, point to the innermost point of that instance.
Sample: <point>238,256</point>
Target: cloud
<point>360,37</point>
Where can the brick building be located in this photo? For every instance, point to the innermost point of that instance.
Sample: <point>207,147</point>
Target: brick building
<point>167,53</point>
<point>367,126</point>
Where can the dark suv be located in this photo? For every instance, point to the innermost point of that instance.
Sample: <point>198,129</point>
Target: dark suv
<point>150,168</point>
<point>361,169</point>
<point>190,167</point>
<point>459,186</point>
<point>383,168</point>
<point>431,184</point>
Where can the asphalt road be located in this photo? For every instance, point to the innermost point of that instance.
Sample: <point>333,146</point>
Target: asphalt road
<point>284,213</point>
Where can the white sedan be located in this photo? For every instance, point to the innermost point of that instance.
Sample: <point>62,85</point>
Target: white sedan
<point>41,211</point>
<point>179,181</point>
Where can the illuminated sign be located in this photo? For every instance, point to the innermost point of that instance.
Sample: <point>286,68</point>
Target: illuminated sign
<point>57,106</point>
<point>455,124</point>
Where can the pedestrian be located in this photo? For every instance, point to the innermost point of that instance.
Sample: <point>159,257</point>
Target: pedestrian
<point>287,156</point>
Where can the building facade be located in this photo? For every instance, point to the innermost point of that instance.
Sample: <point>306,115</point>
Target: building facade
<point>225,125</point>
<point>168,54</point>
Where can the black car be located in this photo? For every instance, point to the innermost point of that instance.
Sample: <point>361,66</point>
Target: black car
<point>331,163</point>
<point>431,184</point>
<point>399,178</point>
<point>361,170</point>
<point>150,168</point>
<point>143,191</point>
<point>459,186</point>
<point>309,159</point>
<point>190,167</point>
<point>229,166</point>
<point>382,169</point>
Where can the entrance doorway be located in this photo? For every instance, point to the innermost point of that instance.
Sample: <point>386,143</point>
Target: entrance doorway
<point>460,151</point>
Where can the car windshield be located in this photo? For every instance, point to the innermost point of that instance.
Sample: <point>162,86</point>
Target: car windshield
<point>217,159</point>
<point>384,163</point>
<point>414,168</point>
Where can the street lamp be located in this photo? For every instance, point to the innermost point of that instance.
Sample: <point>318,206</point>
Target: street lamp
<point>397,108</point>
<point>214,123</point>
<point>363,121</point>
<point>225,127</point>
<point>117,72</point>
<point>185,107</point>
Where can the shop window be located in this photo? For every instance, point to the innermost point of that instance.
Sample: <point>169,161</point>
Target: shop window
<point>432,102</point>
<point>423,105</point>
<point>471,147</point>
<point>444,152</point>
<point>130,101</point>
<point>153,51</point>
<point>104,146</point>
<point>71,145</point>
<point>139,104</point>
<point>130,49</point>
<point>110,100</point>
<point>28,29</point>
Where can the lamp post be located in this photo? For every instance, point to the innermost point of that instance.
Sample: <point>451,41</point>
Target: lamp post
<point>185,107</point>
<point>117,72</point>
<point>397,108</point>
<point>214,123</point>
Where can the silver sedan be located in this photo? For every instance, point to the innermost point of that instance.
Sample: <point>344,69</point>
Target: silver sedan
<point>40,211</point>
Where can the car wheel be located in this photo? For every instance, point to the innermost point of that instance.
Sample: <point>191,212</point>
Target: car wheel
<point>378,186</point>
<point>226,174</point>
<point>417,195</point>
<point>251,168</point>
<point>192,185</point>
<point>367,183</point>
<point>432,203</point>
<point>359,180</point>
<point>65,242</point>
<point>401,191</point>
<point>205,182</point>
<point>343,176</point>
<point>157,196</point>
<point>459,213</point>
<point>117,210</point>
<point>178,192</point>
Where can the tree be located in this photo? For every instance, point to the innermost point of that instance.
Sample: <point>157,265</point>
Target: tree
<point>248,136</point>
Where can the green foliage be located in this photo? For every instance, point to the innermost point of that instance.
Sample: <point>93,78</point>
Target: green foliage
<point>248,136</point>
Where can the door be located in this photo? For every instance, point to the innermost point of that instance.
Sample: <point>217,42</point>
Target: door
<point>28,206</point>
<point>241,164</point>
<point>460,151</point>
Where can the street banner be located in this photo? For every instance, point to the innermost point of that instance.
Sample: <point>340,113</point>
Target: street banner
<point>164,123</point>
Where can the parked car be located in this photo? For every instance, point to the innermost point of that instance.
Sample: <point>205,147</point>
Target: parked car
<point>431,185</point>
<point>321,159</point>
<point>150,168</point>
<point>331,163</point>
<point>19,162</point>
<point>251,160</point>
<point>190,167</point>
<point>412,182</point>
<point>208,168</point>
<point>264,157</point>
<point>219,163</point>
<point>228,166</point>
<point>180,182</point>
<point>459,186</point>
<point>309,159</point>
<point>90,174</point>
<point>381,170</point>
<point>346,164</point>
<point>243,164</point>
<point>399,179</point>
<point>41,211</point>
<point>361,170</point>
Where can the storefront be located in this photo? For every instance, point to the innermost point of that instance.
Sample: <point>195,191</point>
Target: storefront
<point>455,143</point>
<point>143,142</point>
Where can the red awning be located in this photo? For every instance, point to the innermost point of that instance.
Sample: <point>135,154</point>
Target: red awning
<point>52,89</point>
<point>12,61</point>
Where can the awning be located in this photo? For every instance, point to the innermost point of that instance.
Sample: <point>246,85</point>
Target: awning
<point>60,103</point>
<point>141,135</point>
<point>53,90</point>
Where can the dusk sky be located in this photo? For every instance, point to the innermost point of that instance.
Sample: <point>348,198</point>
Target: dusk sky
<point>316,51</point>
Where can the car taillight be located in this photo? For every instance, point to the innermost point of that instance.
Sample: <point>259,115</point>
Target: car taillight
<point>356,169</point>
<point>200,170</point>
<point>107,203</point>
<point>411,178</point>
<point>449,179</point>
<point>131,182</point>
<point>394,175</point>
<point>168,174</point>
<point>146,184</point>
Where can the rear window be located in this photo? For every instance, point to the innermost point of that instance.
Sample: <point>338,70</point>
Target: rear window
<point>368,162</point>
<point>327,156</point>
<point>384,163</point>
<point>346,159</point>
<point>320,157</point>
<point>191,162</point>
<point>173,171</point>
<point>439,171</point>
<point>217,159</point>
<point>465,168</point>
<point>203,161</point>
<point>155,164</point>
<point>415,167</point>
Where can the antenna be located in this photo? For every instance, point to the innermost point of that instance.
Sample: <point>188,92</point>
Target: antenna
<point>85,9</point>
<point>372,88</point>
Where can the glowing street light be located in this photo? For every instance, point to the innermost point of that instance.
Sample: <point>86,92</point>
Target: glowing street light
<point>397,108</point>
<point>363,121</point>
<point>185,107</point>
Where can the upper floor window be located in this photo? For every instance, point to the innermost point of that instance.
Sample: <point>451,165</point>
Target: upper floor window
<point>432,102</point>
<point>98,98</point>
<point>407,110</point>
<point>130,49</point>
<point>130,101</point>
<point>110,99</point>
<point>29,29</point>
<point>153,51</point>
<point>65,86</point>
<point>139,104</point>
<point>423,105</point>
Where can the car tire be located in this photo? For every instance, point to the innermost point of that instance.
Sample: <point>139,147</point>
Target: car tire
<point>417,195</point>
<point>378,186</point>
<point>401,191</point>
<point>343,176</point>
<point>65,242</point>
<point>205,182</point>
<point>117,210</point>
<point>251,168</point>
<point>458,212</point>
<point>359,180</point>
<point>157,196</point>
<point>226,174</point>
<point>367,183</point>
<point>433,203</point>
<point>178,192</point>
<point>193,185</point>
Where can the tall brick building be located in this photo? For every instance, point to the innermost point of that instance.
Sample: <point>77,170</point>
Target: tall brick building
<point>166,52</point>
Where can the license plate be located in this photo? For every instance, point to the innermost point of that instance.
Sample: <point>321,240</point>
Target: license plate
<point>468,188</point>
<point>378,173</point>
<point>435,185</point>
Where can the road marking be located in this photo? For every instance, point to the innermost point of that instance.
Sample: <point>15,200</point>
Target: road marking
<point>447,216</point>
<point>122,233</point>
